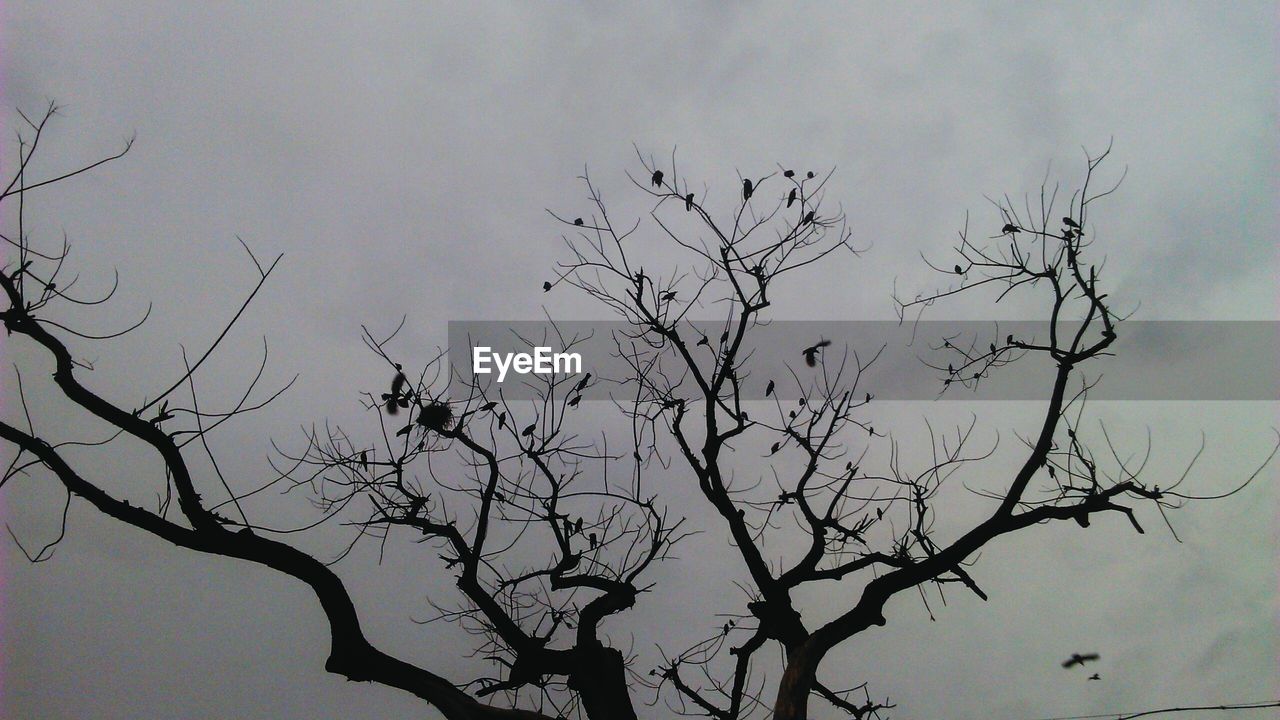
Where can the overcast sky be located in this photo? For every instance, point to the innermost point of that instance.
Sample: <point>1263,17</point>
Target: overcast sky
<point>402,158</point>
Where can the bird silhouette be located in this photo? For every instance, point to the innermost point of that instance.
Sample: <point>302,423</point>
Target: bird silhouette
<point>811,353</point>
<point>1078,659</point>
<point>529,430</point>
<point>1094,676</point>
<point>1009,229</point>
<point>688,202</point>
<point>546,286</point>
<point>577,221</point>
<point>791,197</point>
<point>747,189</point>
<point>768,389</point>
<point>809,216</point>
<point>809,174</point>
<point>668,296</point>
<point>704,341</point>
<point>364,459</point>
<point>582,383</point>
<point>489,406</point>
<point>502,419</point>
<point>959,270</point>
<point>568,528</point>
<point>577,525</point>
<point>789,174</point>
<point>1070,223</point>
<point>574,402</point>
<point>395,399</point>
<point>591,539</point>
<point>657,178</point>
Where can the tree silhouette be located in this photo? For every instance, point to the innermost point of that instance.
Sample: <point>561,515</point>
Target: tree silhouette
<point>509,493</point>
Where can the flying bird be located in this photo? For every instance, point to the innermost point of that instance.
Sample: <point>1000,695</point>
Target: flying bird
<point>394,399</point>
<point>791,197</point>
<point>811,353</point>
<point>746,189</point>
<point>657,178</point>
<point>1070,223</point>
<point>1094,676</point>
<point>688,202</point>
<point>1078,659</point>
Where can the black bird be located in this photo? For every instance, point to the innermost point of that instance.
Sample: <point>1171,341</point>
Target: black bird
<point>657,178</point>
<point>591,539</point>
<point>582,383</point>
<point>574,402</point>
<point>1009,229</point>
<point>747,189</point>
<point>811,353</point>
<point>394,399</point>
<point>791,197</point>
<point>993,348</point>
<point>808,218</point>
<point>1078,659</point>
<point>688,202</point>
<point>959,270</point>
<point>1070,223</point>
<point>789,174</point>
<point>809,174</point>
<point>364,459</point>
<point>1094,676</point>
<point>546,286</point>
<point>577,526</point>
<point>489,406</point>
<point>704,341</point>
<point>668,296</point>
<point>577,221</point>
<point>776,447</point>
<point>568,528</point>
<point>1008,340</point>
<point>529,430</point>
<point>502,419</point>
<point>768,389</point>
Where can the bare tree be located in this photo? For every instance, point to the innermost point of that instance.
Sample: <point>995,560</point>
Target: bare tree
<point>549,533</point>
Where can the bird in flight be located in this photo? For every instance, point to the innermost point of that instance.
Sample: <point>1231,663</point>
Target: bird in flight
<point>811,353</point>
<point>1094,676</point>
<point>747,189</point>
<point>1078,659</point>
<point>657,178</point>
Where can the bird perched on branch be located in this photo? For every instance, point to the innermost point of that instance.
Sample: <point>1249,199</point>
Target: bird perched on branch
<point>657,178</point>
<point>688,202</point>
<point>578,222</point>
<point>811,353</point>
<point>1009,229</point>
<point>747,189</point>
<point>791,197</point>
<point>1066,220</point>
<point>768,389</point>
<point>1078,659</point>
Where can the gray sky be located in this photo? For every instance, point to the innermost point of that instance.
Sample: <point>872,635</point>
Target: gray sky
<point>402,158</point>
